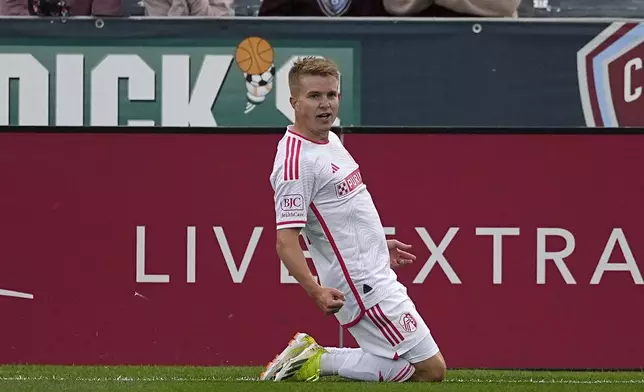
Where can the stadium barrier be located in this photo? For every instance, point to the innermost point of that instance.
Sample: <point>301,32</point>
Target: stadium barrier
<point>413,72</point>
<point>156,246</point>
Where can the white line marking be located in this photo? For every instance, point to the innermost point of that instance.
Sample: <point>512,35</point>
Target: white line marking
<point>15,294</point>
<point>136,294</point>
<point>537,381</point>
<point>213,379</point>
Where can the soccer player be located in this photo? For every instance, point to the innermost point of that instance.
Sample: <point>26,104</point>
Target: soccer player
<point>319,191</point>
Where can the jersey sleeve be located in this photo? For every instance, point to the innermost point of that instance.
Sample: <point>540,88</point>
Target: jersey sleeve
<point>294,191</point>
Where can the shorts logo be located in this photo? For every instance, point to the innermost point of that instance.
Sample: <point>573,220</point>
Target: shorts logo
<point>408,322</point>
<point>292,203</point>
<point>349,184</point>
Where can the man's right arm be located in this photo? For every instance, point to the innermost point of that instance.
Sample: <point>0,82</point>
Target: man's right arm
<point>290,252</point>
<point>293,180</point>
<point>329,300</point>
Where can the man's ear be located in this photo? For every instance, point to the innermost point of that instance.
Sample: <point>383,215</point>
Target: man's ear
<point>293,102</point>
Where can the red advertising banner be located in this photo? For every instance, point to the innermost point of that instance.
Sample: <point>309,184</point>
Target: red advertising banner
<point>530,246</point>
<point>159,248</point>
<point>144,249</point>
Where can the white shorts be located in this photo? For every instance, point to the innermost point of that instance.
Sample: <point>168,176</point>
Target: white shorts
<point>394,329</point>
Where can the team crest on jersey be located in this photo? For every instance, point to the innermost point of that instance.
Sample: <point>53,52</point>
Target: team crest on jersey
<point>349,184</point>
<point>408,322</point>
<point>334,7</point>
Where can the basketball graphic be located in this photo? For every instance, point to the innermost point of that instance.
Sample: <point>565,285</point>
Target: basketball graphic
<point>254,55</point>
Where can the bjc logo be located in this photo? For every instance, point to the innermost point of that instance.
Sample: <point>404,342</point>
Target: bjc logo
<point>292,203</point>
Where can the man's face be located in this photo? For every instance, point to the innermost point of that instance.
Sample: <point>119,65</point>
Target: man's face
<point>316,102</point>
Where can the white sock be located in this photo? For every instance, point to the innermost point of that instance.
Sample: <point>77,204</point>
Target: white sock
<point>355,364</point>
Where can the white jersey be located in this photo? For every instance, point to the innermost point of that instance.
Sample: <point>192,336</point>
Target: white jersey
<point>318,187</point>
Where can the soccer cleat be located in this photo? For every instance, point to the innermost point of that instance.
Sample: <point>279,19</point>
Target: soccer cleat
<point>304,367</point>
<point>294,348</point>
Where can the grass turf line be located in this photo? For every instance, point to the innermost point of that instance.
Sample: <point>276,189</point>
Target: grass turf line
<point>202,379</point>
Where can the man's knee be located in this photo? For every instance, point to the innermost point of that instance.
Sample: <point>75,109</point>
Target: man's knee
<point>433,374</point>
<point>431,370</point>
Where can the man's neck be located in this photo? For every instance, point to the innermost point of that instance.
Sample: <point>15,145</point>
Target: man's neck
<point>317,136</point>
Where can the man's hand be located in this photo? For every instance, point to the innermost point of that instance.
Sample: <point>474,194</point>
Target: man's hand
<point>398,255</point>
<point>329,300</point>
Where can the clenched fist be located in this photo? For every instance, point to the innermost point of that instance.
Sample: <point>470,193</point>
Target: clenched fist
<point>329,300</point>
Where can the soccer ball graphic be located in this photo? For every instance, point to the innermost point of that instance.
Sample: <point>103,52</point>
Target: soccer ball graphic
<point>259,86</point>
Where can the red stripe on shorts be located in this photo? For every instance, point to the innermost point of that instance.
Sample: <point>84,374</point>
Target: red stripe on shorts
<point>396,331</point>
<point>386,325</point>
<point>381,326</point>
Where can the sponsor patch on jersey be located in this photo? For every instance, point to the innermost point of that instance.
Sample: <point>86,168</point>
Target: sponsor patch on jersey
<point>349,184</point>
<point>292,203</point>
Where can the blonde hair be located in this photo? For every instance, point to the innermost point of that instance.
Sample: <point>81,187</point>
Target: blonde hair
<point>310,65</point>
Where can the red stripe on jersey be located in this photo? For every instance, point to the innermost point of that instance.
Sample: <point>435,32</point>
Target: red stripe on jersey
<point>334,246</point>
<point>290,222</point>
<point>355,321</point>
<point>286,158</point>
<point>292,159</point>
<point>380,326</point>
<point>291,164</point>
<point>297,159</point>
<point>393,327</point>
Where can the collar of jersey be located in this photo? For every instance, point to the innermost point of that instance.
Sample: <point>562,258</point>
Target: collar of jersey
<point>291,131</point>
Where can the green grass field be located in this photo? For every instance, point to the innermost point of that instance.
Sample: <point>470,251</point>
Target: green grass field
<point>201,379</point>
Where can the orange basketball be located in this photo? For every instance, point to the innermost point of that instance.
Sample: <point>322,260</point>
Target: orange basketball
<point>254,55</point>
